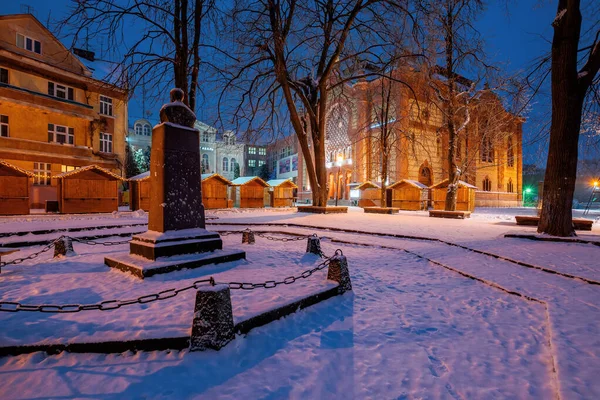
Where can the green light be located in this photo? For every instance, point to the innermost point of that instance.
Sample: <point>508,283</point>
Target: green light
<point>528,190</point>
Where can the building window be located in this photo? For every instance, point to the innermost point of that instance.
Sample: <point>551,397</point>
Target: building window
<point>487,150</point>
<point>262,151</point>
<point>509,186</point>
<point>510,156</point>
<point>106,106</point>
<point>251,150</point>
<point>4,76</point>
<point>232,164</point>
<point>261,163</point>
<point>106,142</point>
<point>205,165</point>
<point>67,168</point>
<point>4,125</point>
<point>147,130</point>
<point>205,137</point>
<point>487,184</point>
<point>138,129</point>
<point>60,91</point>
<point>252,163</point>
<point>29,44</point>
<point>61,134</point>
<point>231,139</point>
<point>225,164</point>
<point>42,173</point>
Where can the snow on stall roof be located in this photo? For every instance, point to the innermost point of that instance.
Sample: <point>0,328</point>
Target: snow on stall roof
<point>277,182</point>
<point>242,180</point>
<point>87,168</point>
<point>367,185</point>
<point>218,176</point>
<point>141,177</point>
<point>444,183</point>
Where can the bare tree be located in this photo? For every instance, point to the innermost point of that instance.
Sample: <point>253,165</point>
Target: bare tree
<point>293,54</point>
<point>166,44</point>
<point>456,49</point>
<point>574,73</point>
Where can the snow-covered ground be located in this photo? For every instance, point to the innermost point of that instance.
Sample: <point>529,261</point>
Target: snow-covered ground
<point>410,329</point>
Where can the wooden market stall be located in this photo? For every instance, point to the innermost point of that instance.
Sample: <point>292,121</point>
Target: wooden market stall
<point>214,191</point>
<point>14,189</point>
<point>281,192</point>
<point>248,192</point>
<point>89,189</point>
<point>369,195</point>
<point>409,195</point>
<point>139,192</point>
<point>465,198</point>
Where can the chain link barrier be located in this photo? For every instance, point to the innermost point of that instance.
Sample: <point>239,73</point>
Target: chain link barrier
<point>31,256</point>
<point>107,305</point>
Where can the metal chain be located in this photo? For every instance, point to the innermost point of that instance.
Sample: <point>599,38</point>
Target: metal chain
<point>287,281</point>
<point>107,305</point>
<point>107,243</point>
<point>281,239</point>
<point>31,256</point>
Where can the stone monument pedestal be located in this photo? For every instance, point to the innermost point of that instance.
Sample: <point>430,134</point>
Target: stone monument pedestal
<point>176,236</point>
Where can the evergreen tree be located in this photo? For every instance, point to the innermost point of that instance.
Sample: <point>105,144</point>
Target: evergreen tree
<point>236,171</point>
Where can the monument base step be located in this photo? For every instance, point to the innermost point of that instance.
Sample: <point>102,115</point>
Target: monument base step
<point>154,245</point>
<point>141,267</point>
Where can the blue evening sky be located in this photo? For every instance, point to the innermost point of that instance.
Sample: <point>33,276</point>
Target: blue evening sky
<point>515,31</point>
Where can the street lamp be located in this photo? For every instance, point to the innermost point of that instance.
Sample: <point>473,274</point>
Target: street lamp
<point>527,190</point>
<point>339,162</point>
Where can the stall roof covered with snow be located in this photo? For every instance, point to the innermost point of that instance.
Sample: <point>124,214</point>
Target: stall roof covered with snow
<point>369,194</point>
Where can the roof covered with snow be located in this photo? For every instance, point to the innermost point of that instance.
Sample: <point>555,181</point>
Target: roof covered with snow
<point>243,180</point>
<point>141,177</point>
<point>216,176</point>
<point>367,185</point>
<point>88,168</point>
<point>410,182</point>
<point>277,182</point>
<point>444,184</point>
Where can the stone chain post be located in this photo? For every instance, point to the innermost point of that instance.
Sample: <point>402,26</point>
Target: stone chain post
<point>212,327</point>
<point>63,247</point>
<point>313,245</point>
<point>248,236</point>
<point>338,272</point>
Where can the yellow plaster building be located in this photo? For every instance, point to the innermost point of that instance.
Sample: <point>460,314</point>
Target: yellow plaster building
<point>54,115</point>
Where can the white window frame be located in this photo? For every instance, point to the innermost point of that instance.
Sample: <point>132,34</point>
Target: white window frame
<point>262,151</point>
<point>147,130</point>
<point>58,87</point>
<point>4,125</point>
<point>43,174</point>
<point>261,163</point>
<point>252,163</point>
<point>25,43</point>
<point>68,132</point>
<point>225,164</point>
<point>251,150</point>
<point>106,142</point>
<point>139,129</point>
<point>106,105</point>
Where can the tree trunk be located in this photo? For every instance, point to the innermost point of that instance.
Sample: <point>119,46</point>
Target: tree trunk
<point>567,102</point>
<point>453,174</point>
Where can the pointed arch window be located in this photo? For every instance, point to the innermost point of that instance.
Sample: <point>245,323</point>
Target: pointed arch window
<point>510,156</point>
<point>225,164</point>
<point>487,184</point>
<point>509,186</point>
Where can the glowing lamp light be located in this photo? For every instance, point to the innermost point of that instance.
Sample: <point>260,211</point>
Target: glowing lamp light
<point>595,184</point>
<point>528,190</point>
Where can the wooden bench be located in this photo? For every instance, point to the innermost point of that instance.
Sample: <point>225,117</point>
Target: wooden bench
<point>381,210</point>
<point>323,210</point>
<point>5,252</point>
<point>450,214</point>
<point>580,224</point>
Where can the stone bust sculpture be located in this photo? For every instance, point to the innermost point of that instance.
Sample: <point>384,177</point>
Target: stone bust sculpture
<point>176,112</point>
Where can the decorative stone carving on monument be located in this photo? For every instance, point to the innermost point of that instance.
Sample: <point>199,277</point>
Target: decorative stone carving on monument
<point>176,220</point>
